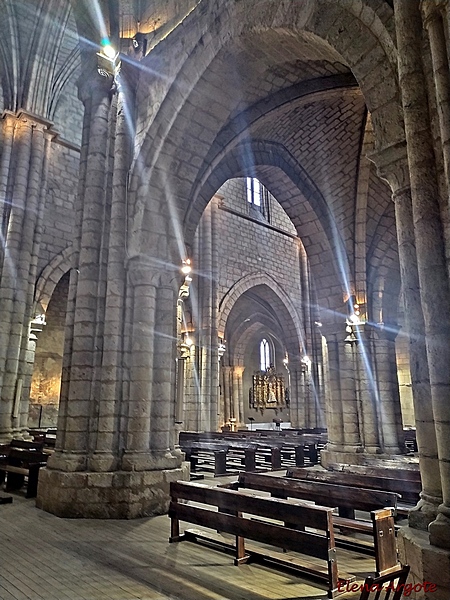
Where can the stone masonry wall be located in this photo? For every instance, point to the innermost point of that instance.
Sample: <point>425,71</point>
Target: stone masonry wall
<point>59,217</point>
<point>247,247</point>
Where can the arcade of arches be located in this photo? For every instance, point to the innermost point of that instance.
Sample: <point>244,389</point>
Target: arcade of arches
<point>259,183</point>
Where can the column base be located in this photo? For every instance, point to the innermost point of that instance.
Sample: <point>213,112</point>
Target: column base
<point>428,564</point>
<point>423,514</point>
<point>112,495</point>
<point>440,528</point>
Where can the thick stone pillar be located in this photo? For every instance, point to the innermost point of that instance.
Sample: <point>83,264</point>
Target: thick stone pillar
<point>367,391</point>
<point>392,166</point>
<point>82,385</point>
<point>432,269</point>
<point>334,412</point>
<point>111,435</point>
<point>163,385</point>
<point>105,457</point>
<point>144,280</point>
<point>391,439</point>
<point>433,20</point>
<point>22,190</point>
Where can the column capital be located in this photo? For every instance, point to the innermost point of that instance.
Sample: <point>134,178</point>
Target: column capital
<point>392,166</point>
<point>431,10</point>
<point>91,82</point>
<point>142,270</point>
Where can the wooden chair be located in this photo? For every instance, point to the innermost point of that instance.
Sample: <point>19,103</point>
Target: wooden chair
<point>386,587</point>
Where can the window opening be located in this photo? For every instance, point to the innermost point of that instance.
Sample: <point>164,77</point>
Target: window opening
<point>258,196</point>
<point>254,191</point>
<point>264,355</point>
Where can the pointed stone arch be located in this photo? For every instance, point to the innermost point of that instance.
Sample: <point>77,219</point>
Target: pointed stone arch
<point>353,32</point>
<point>50,276</point>
<point>284,303</point>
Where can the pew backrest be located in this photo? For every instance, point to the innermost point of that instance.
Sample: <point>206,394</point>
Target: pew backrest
<point>408,490</point>
<point>322,493</point>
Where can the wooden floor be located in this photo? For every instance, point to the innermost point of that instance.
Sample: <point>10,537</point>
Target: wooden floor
<point>43,557</point>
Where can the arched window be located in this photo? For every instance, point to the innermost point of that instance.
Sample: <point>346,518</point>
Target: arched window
<point>258,196</point>
<point>254,191</point>
<point>264,355</point>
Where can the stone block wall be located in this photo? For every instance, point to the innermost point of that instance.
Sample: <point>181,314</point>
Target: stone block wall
<point>252,246</point>
<point>59,216</point>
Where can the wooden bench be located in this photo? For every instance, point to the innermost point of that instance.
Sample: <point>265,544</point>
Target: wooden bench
<point>251,452</point>
<point>230,519</point>
<point>16,464</point>
<point>27,445</point>
<point>407,488</point>
<point>45,436</point>
<point>379,504</point>
<point>405,474</point>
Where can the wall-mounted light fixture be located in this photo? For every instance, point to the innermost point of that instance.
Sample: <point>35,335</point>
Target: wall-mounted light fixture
<point>222,347</point>
<point>185,345</point>
<point>306,363</point>
<point>186,267</point>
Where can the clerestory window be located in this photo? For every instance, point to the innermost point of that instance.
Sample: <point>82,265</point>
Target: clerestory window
<point>265,357</point>
<point>254,191</point>
<point>258,196</point>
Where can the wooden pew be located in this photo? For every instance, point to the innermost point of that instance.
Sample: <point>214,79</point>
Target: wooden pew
<point>394,473</point>
<point>232,505</point>
<point>16,464</point>
<point>218,452</point>
<point>26,445</point>
<point>380,504</point>
<point>250,450</point>
<point>407,488</point>
<point>393,581</point>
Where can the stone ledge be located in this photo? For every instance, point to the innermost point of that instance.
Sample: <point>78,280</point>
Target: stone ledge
<point>114,495</point>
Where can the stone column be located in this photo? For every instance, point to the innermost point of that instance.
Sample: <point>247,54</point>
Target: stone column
<point>385,372</point>
<point>240,382</point>
<point>236,403</point>
<point>335,423</point>
<point>8,127</point>
<point>205,318</point>
<point>433,279</point>
<point>144,279</point>
<point>81,388</point>
<point>367,390</point>
<point>214,353</point>
<point>105,456</point>
<point>163,385</point>
<point>392,166</point>
<point>351,412</point>
<point>296,406</point>
<point>344,412</point>
<point>21,237</point>
<point>436,34</point>
<point>227,400</point>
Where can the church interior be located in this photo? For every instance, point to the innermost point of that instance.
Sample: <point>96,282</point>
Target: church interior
<point>224,266</point>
